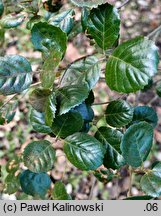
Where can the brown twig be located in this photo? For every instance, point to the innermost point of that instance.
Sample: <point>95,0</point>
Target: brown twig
<point>123,4</point>
<point>154,32</point>
<point>11,98</point>
<point>8,101</point>
<point>92,187</point>
<point>130,183</point>
<point>101,103</point>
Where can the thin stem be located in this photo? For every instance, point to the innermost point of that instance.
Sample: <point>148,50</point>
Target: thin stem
<point>123,4</point>
<point>130,183</point>
<point>152,100</point>
<point>102,59</point>
<point>13,96</point>
<point>107,102</point>
<point>155,31</point>
<point>137,98</point>
<point>102,78</point>
<point>7,101</point>
<point>65,169</point>
<point>35,84</point>
<point>117,188</point>
<point>92,187</point>
<point>102,103</point>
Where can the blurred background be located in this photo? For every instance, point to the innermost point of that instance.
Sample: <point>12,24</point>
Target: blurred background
<point>138,17</point>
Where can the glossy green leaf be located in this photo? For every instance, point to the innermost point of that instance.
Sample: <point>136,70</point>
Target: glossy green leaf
<point>59,192</point>
<point>67,124</point>
<point>83,70</point>
<point>145,113</point>
<point>37,119</point>
<point>46,37</point>
<point>139,198</point>
<point>118,113</point>
<point>35,184</point>
<point>131,65</point>
<point>158,89</point>
<point>38,98</point>
<point>1,8</point>
<point>64,20</point>
<point>151,182</point>
<point>111,139</point>
<point>136,143</point>
<point>47,75</point>
<point>15,74</point>
<point>50,109</point>
<point>84,151</point>
<point>39,156</point>
<point>71,96</point>
<point>88,3</point>
<point>12,183</point>
<point>103,24</point>
<point>12,21</point>
<point>86,112</point>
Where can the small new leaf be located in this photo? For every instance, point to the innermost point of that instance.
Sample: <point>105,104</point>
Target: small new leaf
<point>59,192</point>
